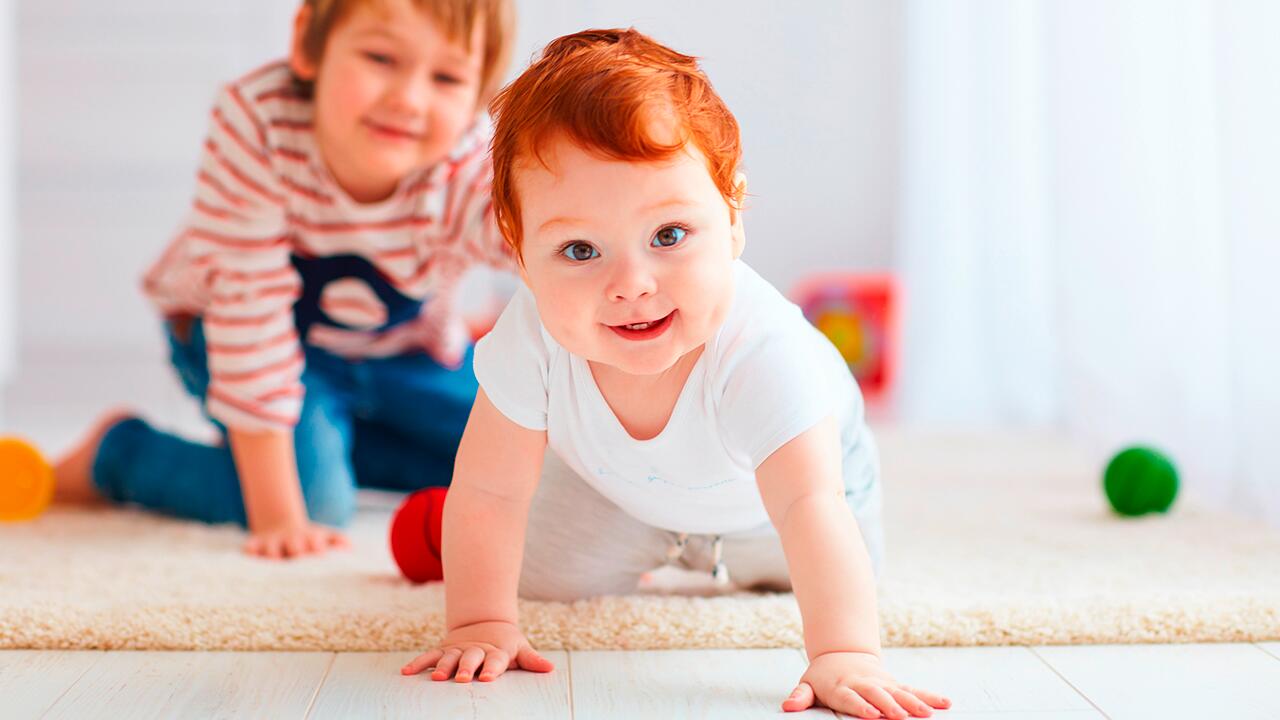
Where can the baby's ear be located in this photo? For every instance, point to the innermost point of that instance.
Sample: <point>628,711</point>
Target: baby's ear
<point>300,63</point>
<point>735,215</point>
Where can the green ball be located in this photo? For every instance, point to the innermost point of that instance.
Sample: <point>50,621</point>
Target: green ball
<point>1140,480</point>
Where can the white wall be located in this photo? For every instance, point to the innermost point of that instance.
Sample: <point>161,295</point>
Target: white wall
<point>113,100</point>
<point>8,223</point>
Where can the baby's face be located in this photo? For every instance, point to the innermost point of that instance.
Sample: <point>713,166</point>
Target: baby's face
<point>392,95</point>
<point>631,264</point>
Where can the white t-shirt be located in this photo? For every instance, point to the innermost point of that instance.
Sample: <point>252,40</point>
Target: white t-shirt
<point>762,380</point>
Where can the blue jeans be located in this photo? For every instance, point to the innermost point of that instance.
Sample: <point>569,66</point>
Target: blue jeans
<point>390,423</point>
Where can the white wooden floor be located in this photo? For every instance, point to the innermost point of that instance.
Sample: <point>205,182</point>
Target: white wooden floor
<point>1147,682</point>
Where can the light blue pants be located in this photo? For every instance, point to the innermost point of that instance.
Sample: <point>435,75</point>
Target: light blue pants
<point>580,544</point>
<point>391,423</point>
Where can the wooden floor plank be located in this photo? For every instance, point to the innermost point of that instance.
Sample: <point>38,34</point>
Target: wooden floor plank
<point>1161,681</point>
<point>195,684</point>
<point>685,684</point>
<point>369,685</point>
<point>986,679</point>
<point>1048,715</point>
<point>31,681</point>
<point>1271,648</point>
<point>1145,682</point>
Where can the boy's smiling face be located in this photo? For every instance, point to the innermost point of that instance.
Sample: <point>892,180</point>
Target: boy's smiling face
<point>631,263</point>
<point>392,94</point>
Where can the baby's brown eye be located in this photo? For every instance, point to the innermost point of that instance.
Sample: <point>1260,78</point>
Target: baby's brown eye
<point>668,236</point>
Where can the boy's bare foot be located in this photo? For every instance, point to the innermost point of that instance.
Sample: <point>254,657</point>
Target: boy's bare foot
<point>73,471</point>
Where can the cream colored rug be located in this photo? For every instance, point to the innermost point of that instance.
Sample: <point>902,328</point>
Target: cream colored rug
<point>992,540</point>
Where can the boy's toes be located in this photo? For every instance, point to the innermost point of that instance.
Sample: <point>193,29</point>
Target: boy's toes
<point>73,471</point>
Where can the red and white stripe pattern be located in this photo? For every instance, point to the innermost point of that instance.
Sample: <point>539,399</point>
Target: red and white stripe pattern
<point>353,303</point>
<point>262,194</point>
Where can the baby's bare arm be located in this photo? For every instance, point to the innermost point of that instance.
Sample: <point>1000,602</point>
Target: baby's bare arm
<point>802,488</point>
<point>494,477</point>
<point>803,491</point>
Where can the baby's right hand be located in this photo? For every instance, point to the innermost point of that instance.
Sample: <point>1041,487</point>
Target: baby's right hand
<point>498,646</point>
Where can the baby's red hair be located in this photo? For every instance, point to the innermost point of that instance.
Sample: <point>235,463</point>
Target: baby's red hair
<point>603,89</point>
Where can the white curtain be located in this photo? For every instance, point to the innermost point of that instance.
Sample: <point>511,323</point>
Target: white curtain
<point>1091,227</point>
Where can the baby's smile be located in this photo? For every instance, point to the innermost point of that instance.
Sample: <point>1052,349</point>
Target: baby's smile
<point>644,330</point>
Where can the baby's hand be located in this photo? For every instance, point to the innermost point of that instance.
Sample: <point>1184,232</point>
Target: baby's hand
<point>855,684</point>
<point>499,646</point>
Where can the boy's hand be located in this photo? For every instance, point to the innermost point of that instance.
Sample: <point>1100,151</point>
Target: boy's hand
<point>855,684</point>
<point>293,541</point>
<point>494,647</point>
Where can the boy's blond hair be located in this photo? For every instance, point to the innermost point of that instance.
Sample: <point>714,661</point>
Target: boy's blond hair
<point>457,19</point>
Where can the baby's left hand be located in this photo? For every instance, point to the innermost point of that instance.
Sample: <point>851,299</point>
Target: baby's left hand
<point>856,684</point>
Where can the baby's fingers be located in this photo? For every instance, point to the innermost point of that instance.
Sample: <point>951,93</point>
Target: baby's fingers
<point>933,699</point>
<point>446,665</point>
<point>422,662</point>
<point>494,665</point>
<point>851,703</point>
<point>911,703</point>
<point>881,698</point>
<point>800,699</point>
<point>471,659</point>
<point>529,659</point>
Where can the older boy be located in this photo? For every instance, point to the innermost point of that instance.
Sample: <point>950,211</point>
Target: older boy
<point>308,297</point>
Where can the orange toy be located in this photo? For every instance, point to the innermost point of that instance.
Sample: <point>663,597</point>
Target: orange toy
<point>26,481</point>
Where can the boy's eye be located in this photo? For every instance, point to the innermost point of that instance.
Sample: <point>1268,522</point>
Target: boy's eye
<point>579,251</point>
<point>380,58</point>
<point>668,236</point>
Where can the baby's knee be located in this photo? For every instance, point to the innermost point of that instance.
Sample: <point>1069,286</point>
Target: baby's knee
<point>558,567</point>
<point>568,586</point>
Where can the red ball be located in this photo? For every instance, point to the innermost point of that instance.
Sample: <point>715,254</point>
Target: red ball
<point>415,535</point>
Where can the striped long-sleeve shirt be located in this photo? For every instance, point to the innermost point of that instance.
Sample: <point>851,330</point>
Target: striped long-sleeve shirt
<point>264,197</point>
